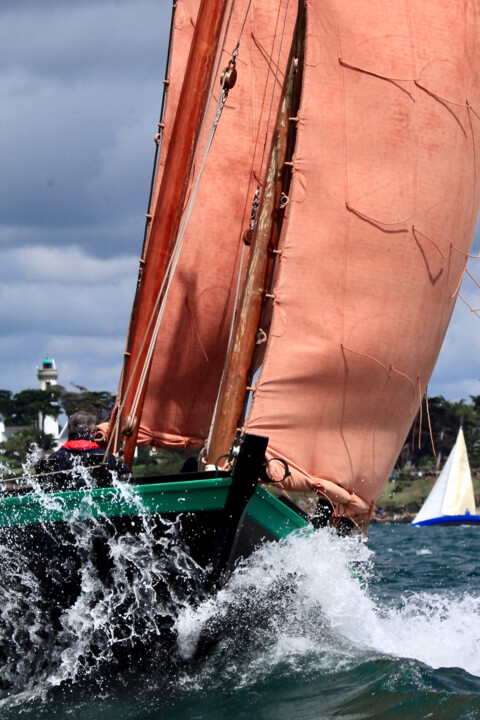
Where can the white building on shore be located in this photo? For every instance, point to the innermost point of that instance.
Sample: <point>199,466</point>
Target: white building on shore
<point>47,376</point>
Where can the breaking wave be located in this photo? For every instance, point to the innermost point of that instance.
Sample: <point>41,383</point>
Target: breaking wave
<point>312,604</point>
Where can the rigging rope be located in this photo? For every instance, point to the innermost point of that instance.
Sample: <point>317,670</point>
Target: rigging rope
<point>165,287</point>
<point>15,478</point>
<point>162,295</point>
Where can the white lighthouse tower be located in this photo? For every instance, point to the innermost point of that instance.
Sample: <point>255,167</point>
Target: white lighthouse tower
<point>47,377</point>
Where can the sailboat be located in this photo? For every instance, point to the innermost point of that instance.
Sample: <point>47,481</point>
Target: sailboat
<point>451,499</point>
<point>314,202</point>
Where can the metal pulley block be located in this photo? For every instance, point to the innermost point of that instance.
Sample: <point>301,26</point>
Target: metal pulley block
<point>229,76</point>
<point>129,425</point>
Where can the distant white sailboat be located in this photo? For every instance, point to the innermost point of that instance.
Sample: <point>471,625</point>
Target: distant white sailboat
<point>451,499</point>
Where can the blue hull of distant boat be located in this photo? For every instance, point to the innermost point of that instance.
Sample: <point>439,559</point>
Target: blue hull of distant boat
<point>451,520</point>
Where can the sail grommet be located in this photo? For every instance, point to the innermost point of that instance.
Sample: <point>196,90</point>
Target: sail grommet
<point>284,199</point>
<point>261,337</point>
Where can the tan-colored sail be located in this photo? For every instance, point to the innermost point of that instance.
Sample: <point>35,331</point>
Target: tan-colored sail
<point>383,208</point>
<point>191,345</point>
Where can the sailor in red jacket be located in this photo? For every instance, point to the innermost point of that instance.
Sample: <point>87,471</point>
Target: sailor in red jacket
<point>81,462</point>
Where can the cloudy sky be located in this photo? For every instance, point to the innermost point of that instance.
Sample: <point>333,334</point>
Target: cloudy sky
<point>80,86</point>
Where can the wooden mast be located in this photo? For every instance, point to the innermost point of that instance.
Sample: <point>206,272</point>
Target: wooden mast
<point>192,107</point>
<point>238,364</point>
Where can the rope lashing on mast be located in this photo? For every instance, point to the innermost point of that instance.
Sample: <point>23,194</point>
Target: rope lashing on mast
<point>248,234</point>
<point>255,204</point>
<point>158,136</point>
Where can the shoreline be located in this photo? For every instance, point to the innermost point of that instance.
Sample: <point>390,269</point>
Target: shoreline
<point>393,517</point>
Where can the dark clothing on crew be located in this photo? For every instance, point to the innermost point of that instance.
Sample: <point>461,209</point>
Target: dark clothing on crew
<point>190,465</point>
<point>84,466</point>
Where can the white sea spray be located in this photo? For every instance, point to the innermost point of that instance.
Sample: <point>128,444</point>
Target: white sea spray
<point>114,588</point>
<point>307,603</point>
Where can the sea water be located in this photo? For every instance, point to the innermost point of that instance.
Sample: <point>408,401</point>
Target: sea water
<point>313,627</point>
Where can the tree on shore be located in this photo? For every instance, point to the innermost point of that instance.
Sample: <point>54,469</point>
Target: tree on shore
<point>445,418</point>
<point>98,402</point>
<point>27,407</point>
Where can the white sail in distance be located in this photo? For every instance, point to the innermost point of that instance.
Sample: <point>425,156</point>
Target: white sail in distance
<point>452,494</point>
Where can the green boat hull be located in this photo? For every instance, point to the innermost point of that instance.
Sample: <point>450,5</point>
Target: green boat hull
<point>215,519</point>
<point>163,499</point>
<point>159,498</point>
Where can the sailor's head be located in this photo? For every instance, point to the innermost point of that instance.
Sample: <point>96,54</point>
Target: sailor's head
<point>82,424</point>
